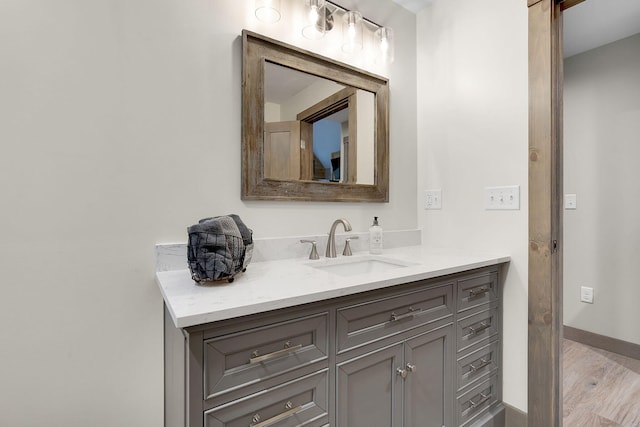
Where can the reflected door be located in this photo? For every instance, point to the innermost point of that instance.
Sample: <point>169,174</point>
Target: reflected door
<point>282,150</point>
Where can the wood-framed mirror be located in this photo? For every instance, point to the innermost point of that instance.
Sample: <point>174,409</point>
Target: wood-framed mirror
<point>313,129</point>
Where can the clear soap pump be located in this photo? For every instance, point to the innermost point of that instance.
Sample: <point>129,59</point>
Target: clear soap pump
<point>375,237</point>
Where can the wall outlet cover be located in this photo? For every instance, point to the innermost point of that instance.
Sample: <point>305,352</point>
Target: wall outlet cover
<point>433,199</point>
<point>586,294</point>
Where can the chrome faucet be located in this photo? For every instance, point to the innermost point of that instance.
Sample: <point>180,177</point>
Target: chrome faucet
<point>331,242</point>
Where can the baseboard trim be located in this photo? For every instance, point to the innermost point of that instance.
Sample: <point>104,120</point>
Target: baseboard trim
<point>493,418</point>
<point>514,417</point>
<point>600,341</point>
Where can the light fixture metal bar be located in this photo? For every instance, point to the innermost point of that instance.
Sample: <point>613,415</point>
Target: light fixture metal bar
<point>368,21</point>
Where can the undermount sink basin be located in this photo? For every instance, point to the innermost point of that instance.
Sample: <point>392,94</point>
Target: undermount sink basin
<point>346,266</point>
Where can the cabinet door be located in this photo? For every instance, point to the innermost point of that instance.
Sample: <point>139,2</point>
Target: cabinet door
<point>369,389</point>
<point>428,384</point>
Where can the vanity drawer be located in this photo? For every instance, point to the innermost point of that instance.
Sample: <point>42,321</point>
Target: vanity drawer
<point>361,324</point>
<point>247,357</point>
<point>476,328</point>
<point>300,402</point>
<point>478,364</point>
<point>477,401</point>
<point>477,290</point>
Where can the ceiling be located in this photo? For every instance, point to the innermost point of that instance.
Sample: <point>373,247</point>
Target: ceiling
<point>594,23</point>
<point>590,24</point>
<point>414,6</point>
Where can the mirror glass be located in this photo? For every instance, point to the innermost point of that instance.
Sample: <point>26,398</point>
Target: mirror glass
<point>313,128</point>
<point>303,111</point>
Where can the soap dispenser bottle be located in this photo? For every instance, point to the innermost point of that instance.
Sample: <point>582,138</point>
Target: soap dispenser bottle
<point>375,237</point>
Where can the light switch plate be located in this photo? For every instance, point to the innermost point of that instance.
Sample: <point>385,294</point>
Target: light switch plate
<point>433,199</point>
<point>570,201</point>
<point>502,198</point>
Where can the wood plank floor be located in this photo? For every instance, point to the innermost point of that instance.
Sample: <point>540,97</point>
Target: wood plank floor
<point>599,388</point>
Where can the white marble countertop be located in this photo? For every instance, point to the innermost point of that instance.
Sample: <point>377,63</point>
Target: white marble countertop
<point>271,285</point>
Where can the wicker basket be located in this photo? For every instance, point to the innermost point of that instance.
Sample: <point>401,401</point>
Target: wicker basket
<point>219,248</point>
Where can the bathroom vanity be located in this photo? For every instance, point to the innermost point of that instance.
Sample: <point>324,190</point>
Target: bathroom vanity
<point>292,343</point>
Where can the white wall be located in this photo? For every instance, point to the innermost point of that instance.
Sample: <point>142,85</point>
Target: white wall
<point>121,127</point>
<point>308,97</point>
<point>601,152</point>
<point>473,133</point>
<point>366,135</point>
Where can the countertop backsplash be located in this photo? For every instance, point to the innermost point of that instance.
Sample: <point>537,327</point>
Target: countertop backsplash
<point>173,256</point>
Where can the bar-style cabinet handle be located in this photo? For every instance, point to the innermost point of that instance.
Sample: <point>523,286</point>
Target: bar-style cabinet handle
<point>483,362</point>
<point>288,348</point>
<point>478,291</point>
<point>290,411</point>
<point>476,330</point>
<point>412,312</point>
<point>484,398</point>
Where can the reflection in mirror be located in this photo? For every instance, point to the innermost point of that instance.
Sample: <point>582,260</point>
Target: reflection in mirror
<point>313,128</point>
<point>316,129</point>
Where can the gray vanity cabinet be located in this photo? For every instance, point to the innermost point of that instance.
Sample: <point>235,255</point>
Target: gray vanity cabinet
<point>427,385</point>
<point>478,360</point>
<point>394,358</point>
<point>405,384</point>
<point>420,354</point>
<point>368,390</point>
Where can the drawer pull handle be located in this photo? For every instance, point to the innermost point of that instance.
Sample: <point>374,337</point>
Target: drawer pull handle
<point>290,411</point>
<point>483,398</point>
<point>483,362</point>
<point>412,312</point>
<point>473,330</point>
<point>473,293</point>
<point>288,348</point>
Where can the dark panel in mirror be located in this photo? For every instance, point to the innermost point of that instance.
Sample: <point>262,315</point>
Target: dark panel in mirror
<point>313,128</point>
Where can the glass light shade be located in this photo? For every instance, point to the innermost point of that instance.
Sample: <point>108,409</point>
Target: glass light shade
<point>352,39</point>
<point>268,10</point>
<point>316,20</point>
<point>384,43</point>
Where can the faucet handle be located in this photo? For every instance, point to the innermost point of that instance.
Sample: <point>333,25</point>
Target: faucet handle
<point>347,247</point>
<point>314,249</point>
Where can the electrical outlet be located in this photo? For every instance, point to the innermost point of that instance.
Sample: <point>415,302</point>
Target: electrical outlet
<point>502,198</point>
<point>570,201</point>
<point>586,294</point>
<point>433,199</point>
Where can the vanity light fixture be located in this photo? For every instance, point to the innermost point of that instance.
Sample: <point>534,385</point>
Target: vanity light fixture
<point>268,10</point>
<point>319,19</point>
<point>352,38</point>
<point>384,42</point>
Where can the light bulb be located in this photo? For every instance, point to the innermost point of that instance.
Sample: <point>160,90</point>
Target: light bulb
<point>313,14</point>
<point>351,31</point>
<point>384,41</point>
<point>384,45</point>
<point>316,27</point>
